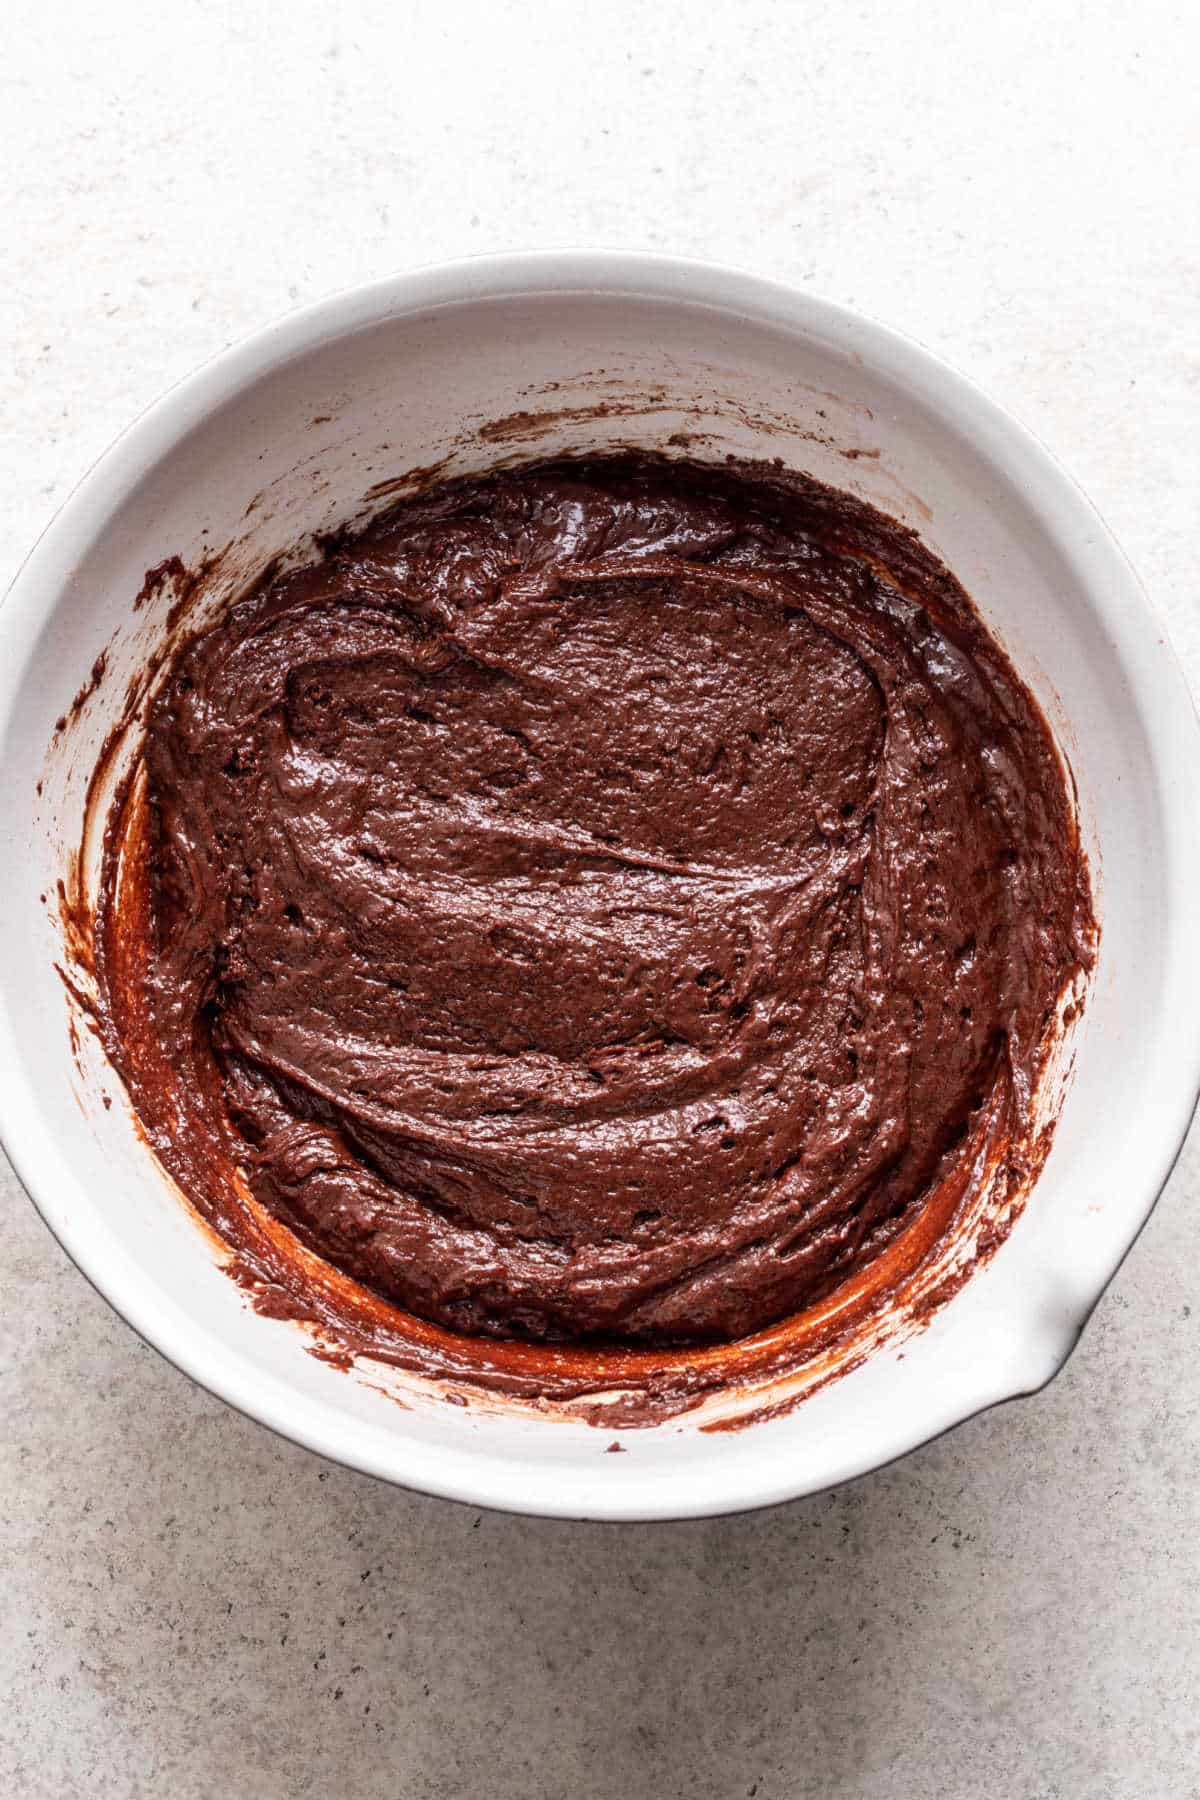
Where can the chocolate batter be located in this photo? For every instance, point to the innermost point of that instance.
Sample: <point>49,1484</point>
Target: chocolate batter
<point>599,903</point>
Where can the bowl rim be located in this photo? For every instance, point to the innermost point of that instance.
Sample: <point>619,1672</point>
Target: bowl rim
<point>1141,644</point>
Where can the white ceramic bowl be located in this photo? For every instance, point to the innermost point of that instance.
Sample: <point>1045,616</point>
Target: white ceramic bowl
<point>309,415</point>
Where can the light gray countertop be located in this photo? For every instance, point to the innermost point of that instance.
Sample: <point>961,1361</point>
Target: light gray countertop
<point>194,1608</point>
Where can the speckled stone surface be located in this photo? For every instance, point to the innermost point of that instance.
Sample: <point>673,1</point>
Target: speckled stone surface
<point>194,1608</point>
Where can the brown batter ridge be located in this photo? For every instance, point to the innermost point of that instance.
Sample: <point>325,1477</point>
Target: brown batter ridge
<point>600,905</point>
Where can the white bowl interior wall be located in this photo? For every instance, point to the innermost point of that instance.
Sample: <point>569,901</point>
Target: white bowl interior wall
<point>310,416</point>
